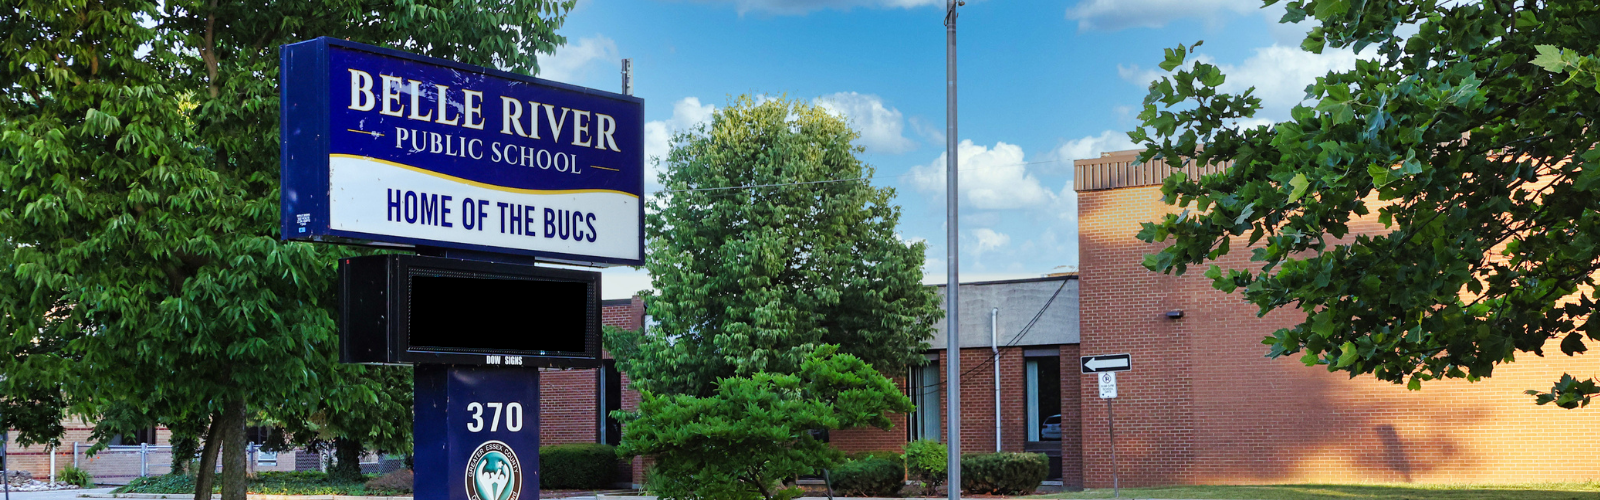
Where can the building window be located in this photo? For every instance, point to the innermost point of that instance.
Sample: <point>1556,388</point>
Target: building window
<point>924,387</point>
<point>1044,398</point>
<point>141,436</point>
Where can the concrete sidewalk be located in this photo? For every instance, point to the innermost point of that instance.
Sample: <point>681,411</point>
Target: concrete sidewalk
<point>59,494</point>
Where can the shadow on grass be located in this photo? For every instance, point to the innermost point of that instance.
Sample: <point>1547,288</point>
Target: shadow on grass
<point>1546,491</point>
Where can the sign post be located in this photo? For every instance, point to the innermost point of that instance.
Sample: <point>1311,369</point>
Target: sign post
<point>5,464</point>
<point>482,173</point>
<point>1105,368</point>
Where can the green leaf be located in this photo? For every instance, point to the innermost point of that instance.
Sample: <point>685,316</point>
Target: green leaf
<point>1174,58</point>
<point>1298,185</point>
<point>1573,344</point>
<point>1347,355</point>
<point>1550,59</point>
<point>1380,174</point>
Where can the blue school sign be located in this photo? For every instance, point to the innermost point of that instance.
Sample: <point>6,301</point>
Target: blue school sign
<point>385,148</point>
<point>389,149</point>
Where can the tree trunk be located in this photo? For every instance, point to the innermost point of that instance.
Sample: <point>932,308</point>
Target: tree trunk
<point>347,460</point>
<point>233,452</point>
<point>206,470</point>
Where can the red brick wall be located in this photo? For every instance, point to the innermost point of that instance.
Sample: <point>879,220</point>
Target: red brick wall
<point>1071,419</point>
<point>36,459</point>
<point>568,398</point>
<point>1202,404</point>
<point>977,400</point>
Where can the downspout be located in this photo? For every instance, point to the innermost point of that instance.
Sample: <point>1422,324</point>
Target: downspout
<point>994,345</point>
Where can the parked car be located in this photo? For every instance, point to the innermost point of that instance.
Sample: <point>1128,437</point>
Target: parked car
<point>1052,428</point>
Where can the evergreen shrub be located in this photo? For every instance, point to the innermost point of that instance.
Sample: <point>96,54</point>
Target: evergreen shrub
<point>577,466</point>
<point>868,477</point>
<point>1003,473</point>
<point>927,462</point>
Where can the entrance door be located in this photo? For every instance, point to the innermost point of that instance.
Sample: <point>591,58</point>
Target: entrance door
<point>1044,408</point>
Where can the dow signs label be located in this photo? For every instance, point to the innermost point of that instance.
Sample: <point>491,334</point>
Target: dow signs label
<point>1107,363</point>
<point>386,148</point>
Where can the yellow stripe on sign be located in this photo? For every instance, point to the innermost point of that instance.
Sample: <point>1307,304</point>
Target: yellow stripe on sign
<point>476,183</point>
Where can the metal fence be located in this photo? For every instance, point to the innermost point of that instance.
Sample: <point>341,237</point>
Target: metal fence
<point>118,464</point>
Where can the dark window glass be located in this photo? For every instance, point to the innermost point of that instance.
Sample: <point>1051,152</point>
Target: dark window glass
<point>477,314</point>
<point>1044,398</point>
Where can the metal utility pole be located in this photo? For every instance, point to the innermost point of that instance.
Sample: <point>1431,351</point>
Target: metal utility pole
<point>627,77</point>
<point>952,300</point>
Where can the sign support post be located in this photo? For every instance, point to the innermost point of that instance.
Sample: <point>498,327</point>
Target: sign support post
<point>1111,430</point>
<point>5,462</point>
<point>1105,368</point>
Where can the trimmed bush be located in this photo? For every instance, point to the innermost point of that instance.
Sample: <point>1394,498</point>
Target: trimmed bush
<point>926,462</point>
<point>868,477</point>
<point>886,455</point>
<point>74,475</point>
<point>399,481</point>
<point>1003,473</point>
<point>577,466</point>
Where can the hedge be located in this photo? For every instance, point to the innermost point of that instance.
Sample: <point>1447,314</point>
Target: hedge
<point>1003,473</point>
<point>578,466</point>
<point>868,477</point>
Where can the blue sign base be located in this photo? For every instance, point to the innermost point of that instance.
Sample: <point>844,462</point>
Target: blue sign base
<point>476,433</point>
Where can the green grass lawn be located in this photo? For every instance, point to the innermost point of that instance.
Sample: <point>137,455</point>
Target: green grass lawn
<point>1541,491</point>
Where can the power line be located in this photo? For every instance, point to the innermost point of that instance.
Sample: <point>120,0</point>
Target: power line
<point>901,176</point>
<point>752,186</point>
<point>1018,337</point>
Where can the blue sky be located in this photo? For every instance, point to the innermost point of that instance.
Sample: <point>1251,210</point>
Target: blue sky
<point>1041,83</point>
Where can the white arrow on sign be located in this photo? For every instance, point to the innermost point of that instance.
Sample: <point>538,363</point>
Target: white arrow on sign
<point>1102,363</point>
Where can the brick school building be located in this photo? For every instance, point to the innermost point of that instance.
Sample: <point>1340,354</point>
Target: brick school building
<point>1203,405</point>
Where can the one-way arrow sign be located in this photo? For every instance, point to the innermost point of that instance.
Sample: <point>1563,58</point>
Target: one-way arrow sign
<point>1107,363</point>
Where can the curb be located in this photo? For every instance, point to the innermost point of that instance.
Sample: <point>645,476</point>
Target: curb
<point>178,496</point>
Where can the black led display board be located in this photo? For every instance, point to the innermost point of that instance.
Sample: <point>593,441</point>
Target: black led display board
<point>404,309</point>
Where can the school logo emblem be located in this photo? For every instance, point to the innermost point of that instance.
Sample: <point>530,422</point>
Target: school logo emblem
<point>494,473</point>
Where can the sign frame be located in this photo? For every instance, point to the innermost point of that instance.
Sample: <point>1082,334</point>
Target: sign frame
<point>374,316</point>
<point>306,143</point>
<point>1085,361</point>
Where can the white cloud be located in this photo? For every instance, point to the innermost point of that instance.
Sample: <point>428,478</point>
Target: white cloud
<point>986,240</point>
<point>991,179</point>
<point>575,61</point>
<point>1279,74</point>
<point>804,6</point>
<point>934,134</point>
<point>686,115</point>
<point>882,128</point>
<point>1113,15</point>
<point>1091,146</point>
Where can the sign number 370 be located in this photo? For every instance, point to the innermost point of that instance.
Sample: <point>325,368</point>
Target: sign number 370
<point>513,412</point>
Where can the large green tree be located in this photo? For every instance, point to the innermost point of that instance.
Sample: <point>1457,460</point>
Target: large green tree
<point>769,251</point>
<point>142,275</point>
<point>767,241</point>
<point>1472,141</point>
<point>752,433</point>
